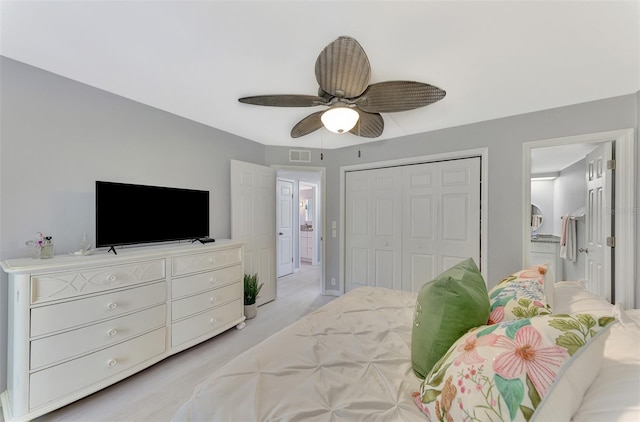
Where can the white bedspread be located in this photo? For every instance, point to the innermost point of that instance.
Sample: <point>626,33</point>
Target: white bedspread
<point>349,360</point>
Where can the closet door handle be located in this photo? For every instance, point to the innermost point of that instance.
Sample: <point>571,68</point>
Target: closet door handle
<point>585,250</point>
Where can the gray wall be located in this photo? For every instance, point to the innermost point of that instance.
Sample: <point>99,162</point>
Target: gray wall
<point>60,136</point>
<point>504,139</point>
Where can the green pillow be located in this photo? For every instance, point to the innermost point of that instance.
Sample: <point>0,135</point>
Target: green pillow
<point>447,307</point>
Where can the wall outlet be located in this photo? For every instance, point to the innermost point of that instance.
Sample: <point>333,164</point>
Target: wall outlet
<point>333,281</point>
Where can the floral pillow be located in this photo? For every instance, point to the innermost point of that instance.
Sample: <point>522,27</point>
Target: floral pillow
<point>517,371</point>
<point>520,295</point>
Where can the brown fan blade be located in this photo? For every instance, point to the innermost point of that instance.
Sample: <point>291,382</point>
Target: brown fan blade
<point>284,100</point>
<point>387,97</point>
<point>343,69</point>
<point>370,125</point>
<point>307,125</point>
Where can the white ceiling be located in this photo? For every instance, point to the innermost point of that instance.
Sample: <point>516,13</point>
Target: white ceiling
<point>196,58</point>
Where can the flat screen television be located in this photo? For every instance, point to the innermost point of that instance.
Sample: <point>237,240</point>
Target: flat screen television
<point>128,214</point>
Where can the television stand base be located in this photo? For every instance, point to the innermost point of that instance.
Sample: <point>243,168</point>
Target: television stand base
<point>113,248</point>
<point>204,240</point>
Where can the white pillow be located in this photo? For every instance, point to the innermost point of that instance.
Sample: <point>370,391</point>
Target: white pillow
<point>615,393</point>
<point>571,297</point>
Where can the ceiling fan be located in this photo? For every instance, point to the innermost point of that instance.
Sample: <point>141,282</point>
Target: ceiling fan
<point>343,73</point>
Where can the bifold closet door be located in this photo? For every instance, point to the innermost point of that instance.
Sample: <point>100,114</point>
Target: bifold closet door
<point>373,228</point>
<point>441,218</point>
<point>406,224</point>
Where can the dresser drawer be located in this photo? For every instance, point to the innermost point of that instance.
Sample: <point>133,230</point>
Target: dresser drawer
<point>58,381</point>
<point>195,304</point>
<point>49,350</point>
<point>48,287</point>
<point>199,325</point>
<point>75,313</point>
<point>196,283</point>
<point>187,264</point>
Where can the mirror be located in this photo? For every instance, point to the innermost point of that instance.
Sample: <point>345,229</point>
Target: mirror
<point>308,214</point>
<point>536,218</point>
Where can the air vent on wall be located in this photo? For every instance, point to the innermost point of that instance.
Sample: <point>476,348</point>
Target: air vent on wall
<point>299,156</point>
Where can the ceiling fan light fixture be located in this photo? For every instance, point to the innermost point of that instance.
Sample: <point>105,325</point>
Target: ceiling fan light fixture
<point>340,119</point>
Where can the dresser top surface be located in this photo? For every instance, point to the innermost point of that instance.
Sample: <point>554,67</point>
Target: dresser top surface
<point>103,257</point>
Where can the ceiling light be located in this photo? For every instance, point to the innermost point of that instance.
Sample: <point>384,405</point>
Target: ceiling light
<point>340,119</point>
<point>545,176</point>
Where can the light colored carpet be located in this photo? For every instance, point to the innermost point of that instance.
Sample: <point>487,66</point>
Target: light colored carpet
<point>156,393</point>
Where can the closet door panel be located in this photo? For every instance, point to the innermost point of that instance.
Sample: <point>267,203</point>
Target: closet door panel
<point>459,218</point>
<point>373,225</point>
<point>407,224</point>
<point>358,230</point>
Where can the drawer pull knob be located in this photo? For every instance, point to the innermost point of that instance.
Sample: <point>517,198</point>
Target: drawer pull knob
<point>111,363</point>
<point>212,299</point>
<point>212,321</point>
<point>212,280</point>
<point>212,260</point>
<point>113,332</point>
<point>112,305</point>
<point>112,278</point>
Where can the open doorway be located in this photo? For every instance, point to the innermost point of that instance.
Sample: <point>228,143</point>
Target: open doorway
<point>623,221</point>
<point>307,223</point>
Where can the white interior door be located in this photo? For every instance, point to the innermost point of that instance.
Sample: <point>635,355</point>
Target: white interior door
<point>253,222</point>
<point>284,213</point>
<point>598,221</point>
<point>441,218</point>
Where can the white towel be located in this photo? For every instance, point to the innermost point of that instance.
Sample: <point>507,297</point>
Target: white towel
<point>568,247</point>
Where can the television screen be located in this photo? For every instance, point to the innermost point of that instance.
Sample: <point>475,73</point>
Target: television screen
<point>127,214</point>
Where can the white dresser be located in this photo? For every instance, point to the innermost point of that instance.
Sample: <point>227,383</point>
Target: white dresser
<point>78,324</point>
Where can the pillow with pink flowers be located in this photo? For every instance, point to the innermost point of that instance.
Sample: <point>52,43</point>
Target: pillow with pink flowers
<point>520,295</point>
<point>520,370</point>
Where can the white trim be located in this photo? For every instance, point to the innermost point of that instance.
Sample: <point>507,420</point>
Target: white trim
<point>483,153</point>
<point>625,217</point>
<point>323,196</point>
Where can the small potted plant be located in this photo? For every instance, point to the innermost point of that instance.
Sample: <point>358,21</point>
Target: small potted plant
<point>251,291</point>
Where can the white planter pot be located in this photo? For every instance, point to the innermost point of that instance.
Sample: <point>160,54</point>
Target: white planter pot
<point>250,311</point>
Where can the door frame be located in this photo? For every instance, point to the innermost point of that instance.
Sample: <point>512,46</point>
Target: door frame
<point>483,153</point>
<point>323,193</point>
<point>314,188</point>
<point>624,202</point>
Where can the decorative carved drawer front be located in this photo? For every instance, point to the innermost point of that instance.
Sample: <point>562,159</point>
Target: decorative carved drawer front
<point>194,304</point>
<point>201,324</point>
<point>76,313</point>
<point>48,287</point>
<point>58,381</point>
<point>187,264</point>
<point>196,283</point>
<point>59,347</point>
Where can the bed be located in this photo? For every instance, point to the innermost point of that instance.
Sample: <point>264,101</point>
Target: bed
<point>352,360</point>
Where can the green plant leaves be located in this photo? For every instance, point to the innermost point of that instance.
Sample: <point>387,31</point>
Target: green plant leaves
<point>251,288</point>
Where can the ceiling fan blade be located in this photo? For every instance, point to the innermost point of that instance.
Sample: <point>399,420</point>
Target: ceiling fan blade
<point>307,125</point>
<point>370,125</point>
<point>391,96</point>
<point>284,100</point>
<point>343,69</point>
